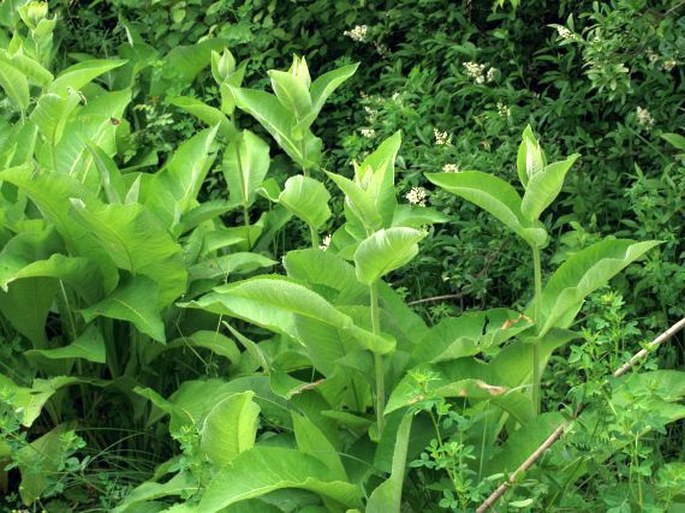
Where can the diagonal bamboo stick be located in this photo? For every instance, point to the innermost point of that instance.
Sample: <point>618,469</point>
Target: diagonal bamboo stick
<point>561,428</point>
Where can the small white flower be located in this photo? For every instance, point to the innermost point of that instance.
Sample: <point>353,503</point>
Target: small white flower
<point>564,33</point>
<point>369,133</point>
<point>450,168</point>
<point>371,114</point>
<point>503,110</point>
<point>652,56</point>
<point>644,118</point>
<point>442,138</point>
<point>669,64</point>
<point>475,71</point>
<point>325,243</point>
<point>491,75</point>
<point>417,196</point>
<point>358,33</point>
<point>395,96</point>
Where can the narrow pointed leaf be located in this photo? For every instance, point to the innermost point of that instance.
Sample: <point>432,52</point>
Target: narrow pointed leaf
<point>387,498</point>
<point>207,114</point>
<point>15,85</point>
<point>324,86</point>
<point>311,440</point>
<point>495,196</point>
<point>293,94</point>
<point>110,176</point>
<point>385,251</point>
<point>361,203</point>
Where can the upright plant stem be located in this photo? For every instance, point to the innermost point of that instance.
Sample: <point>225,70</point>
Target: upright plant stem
<point>314,235</point>
<point>377,359</point>
<point>537,271</point>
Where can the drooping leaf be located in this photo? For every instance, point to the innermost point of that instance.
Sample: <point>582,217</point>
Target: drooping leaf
<point>204,212</point>
<point>26,305</point>
<point>307,199</point>
<point>495,196</point>
<point>384,251</point>
<point>34,72</point>
<point>78,75</point>
<point>52,112</point>
<point>207,114</point>
<point>246,162</point>
<point>136,301</point>
<point>181,484</point>
<point>583,273</point>
<point>230,428</point>
<point>214,341</point>
<point>15,84</point>
<point>262,470</point>
<point>387,498</point>
<point>90,346</point>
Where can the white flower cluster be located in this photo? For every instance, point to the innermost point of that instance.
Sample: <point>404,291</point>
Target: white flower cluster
<point>371,114</point>
<point>480,72</point>
<point>669,64</point>
<point>644,118</point>
<point>417,196</point>
<point>450,168</point>
<point>565,33</point>
<point>325,243</point>
<point>369,133</point>
<point>442,138</point>
<point>503,110</point>
<point>358,33</point>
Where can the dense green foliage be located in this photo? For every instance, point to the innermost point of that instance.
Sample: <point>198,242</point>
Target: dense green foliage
<point>340,256</point>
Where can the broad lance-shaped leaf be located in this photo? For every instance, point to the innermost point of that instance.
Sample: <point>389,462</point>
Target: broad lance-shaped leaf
<point>264,469</point>
<point>173,191</point>
<point>246,162</point>
<point>110,177</point>
<point>377,171</point>
<point>15,84</point>
<point>544,187</point>
<point>90,346</point>
<point>384,251</point>
<point>136,302</point>
<point>182,484</point>
<point>230,428</point>
<point>324,86</point>
<point>361,203</point>
<point>307,199</point>
<point>387,498</point>
<point>276,119</point>
<point>583,273</point>
<point>78,75</point>
<point>207,114</point>
<point>293,94</point>
<point>495,196</point>
<point>137,243</point>
<point>278,304</point>
<point>30,68</point>
<point>26,305</point>
<point>311,440</point>
<point>52,112</point>
<point>530,158</point>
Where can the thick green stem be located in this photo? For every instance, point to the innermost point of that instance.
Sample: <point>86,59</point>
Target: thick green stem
<point>314,235</point>
<point>246,221</point>
<point>537,270</point>
<point>378,359</point>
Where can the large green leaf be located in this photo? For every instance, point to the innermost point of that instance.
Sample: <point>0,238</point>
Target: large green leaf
<point>78,75</point>
<point>111,180</point>
<point>307,199</point>
<point>51,114</point>
<point>230,428</point>
<point>544,187</point>
<point>246,162</point>
<point>530,159</point>
<point>92,122</point>
<point>26,305</point>
<point>136,301</point>
<point>293,94</point>
<point>262,470</point>
<point>361,204</point>
<point>207,114</point>
<point>268,111</point>
<point>495,196</point>
<point>137,243</point>
<point>384,251</point>
<point>376,174</point>
<point>90,346</point>
<point>30,68</point>
<point>53,193</point>
<point>173,191</point>
<point>182,484</point>
<point>387,498</point>
<point>15,84</point>
<point>324,86</point>
<point>311,440</point>
<point>583,273</point>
